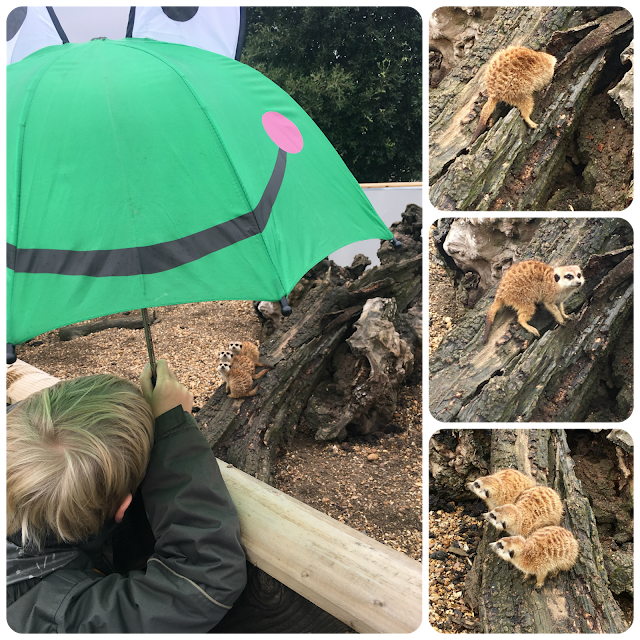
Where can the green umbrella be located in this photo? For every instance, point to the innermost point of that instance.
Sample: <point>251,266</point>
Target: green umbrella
<point>142,173</point>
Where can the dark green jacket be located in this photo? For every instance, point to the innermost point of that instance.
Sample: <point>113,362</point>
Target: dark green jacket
<point>194,575</point>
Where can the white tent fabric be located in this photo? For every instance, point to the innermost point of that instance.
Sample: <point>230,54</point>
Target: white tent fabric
<point>217,29</point>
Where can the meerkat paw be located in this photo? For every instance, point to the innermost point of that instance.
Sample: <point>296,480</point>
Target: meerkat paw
<point>530,329</point>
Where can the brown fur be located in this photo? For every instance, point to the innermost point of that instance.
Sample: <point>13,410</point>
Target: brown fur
<point>512,76</point>
<point>241,362</point>
<point>238,382</point>
<point>249,350</point>
<point>502,487</point>
<point>545,553</point>
<point>530,282</point>
<point>533,509</point>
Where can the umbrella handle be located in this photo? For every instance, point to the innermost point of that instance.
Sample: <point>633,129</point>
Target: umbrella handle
<point>147,337</point>
<point>286,309</point>
<point>11,353</point>
<point>396,244</point>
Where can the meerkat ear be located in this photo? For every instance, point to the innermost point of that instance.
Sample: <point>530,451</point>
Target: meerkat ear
<point>557,277</point>
<point>511,553</point>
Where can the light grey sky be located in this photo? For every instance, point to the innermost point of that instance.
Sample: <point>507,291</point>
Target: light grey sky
<point>83,23</point>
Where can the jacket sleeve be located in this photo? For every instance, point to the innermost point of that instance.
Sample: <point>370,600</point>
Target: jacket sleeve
<point>198,567</point>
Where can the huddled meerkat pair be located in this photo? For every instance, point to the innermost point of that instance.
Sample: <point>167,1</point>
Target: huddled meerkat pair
<point>238,368</point>
<point>538,546</point>
<point>516,505</point>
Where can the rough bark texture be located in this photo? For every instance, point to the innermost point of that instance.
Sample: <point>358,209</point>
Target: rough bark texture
<point>310,355</point>
<point>517,377</point>
<point>108,322</point>
<point>578,601</point>
<point>512,167</point>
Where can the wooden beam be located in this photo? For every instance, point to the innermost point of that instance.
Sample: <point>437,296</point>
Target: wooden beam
<point>360,581</point>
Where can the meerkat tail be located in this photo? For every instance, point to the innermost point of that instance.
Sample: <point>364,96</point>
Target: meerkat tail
<point>253,392</point>
<point>491,314</point>
<point>260,364</point>
<point>487,329</point>
<point>259,375</point>
<point>487,110</point>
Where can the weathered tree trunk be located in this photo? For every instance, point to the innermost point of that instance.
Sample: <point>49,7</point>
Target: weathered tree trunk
<point>248,432</point>
<point>107,322</point>
<point>551,378</point>
<point>576,601</point>
<point>511,167</point>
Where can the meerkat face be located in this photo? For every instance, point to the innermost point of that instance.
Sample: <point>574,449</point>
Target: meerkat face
<point>224,368</point>
<point>226,356</point>
<point>568,277</point>
<point>479,489</point>
<point>235,347</point>
<point>496,518</point>
<point>507,548</point>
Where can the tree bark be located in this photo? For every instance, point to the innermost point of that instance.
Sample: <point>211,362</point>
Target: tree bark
<point>107,322</point>
<point>512,167</point>
<point>249,431</point>
<point>516,377</point>
<point>576,601</point>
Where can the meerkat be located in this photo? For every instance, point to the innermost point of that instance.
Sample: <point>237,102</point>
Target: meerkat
<point>241,362</point>
<point>533,509</point>
<point>502,487</point>
<point>512,76</point>
<point>545,553</point>
<point>249,350</point>
<point>530,282</point>
<point>238,382</point>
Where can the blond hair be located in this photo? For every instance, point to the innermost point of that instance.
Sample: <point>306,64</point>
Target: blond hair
<point>74,452</point>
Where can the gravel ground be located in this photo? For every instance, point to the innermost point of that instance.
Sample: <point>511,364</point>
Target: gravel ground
<point>452,541</point>
<point>371,483</point>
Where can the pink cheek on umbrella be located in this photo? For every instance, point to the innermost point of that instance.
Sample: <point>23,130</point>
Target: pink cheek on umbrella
<point>282,131</point>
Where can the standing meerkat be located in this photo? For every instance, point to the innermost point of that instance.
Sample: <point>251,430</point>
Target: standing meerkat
<point>533,509</point>
<point>530,282</point>
<point>502,487</point>
<point>238,382</point>
<point>249,350</point>
<point>545,553</point>
<point>512,76</point>
<point>241,362</point>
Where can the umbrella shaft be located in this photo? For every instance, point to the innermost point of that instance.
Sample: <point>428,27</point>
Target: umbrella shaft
<point>147,337</point>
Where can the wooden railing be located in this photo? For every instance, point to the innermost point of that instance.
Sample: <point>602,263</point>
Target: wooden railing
<point>360,581</point>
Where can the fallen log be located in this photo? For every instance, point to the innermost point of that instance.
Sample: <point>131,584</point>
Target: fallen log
<point>107,322</point>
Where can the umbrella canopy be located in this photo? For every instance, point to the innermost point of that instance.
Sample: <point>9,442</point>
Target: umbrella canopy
<point>143,173</point>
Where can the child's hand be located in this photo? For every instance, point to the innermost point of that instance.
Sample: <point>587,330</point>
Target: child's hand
<point>168,392</point>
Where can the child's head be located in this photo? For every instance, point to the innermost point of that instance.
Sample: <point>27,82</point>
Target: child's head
<point>74,452</point>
